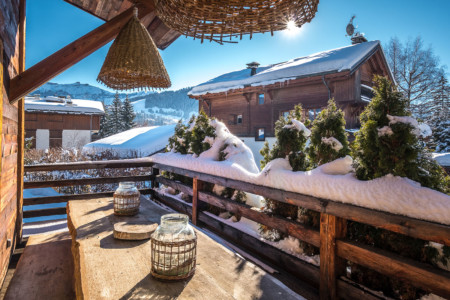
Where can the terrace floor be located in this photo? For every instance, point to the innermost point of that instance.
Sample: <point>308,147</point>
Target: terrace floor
<point>106,268</point>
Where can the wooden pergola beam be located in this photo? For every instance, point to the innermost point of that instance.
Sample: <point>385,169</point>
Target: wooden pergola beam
<point>58,62</point>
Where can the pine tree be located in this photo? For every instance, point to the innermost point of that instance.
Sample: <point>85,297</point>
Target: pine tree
<point>105,130</point>
<point>385,145</point>
<point>440,116</point>
<point>291,136</point>
<point>127,114</point>
<point>328,136</point>
<point>115,115</point>
<point>201,129</point>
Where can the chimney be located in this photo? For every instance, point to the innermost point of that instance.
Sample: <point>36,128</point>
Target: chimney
<point>358,38</point>
<point>253,66</point>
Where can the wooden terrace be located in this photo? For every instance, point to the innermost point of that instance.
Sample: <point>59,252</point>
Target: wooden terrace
<point>327,281</point>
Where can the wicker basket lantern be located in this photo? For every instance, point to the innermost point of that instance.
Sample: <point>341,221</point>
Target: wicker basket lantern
<point>126,199</point>
<point>174,249</point>
<point>222,20</point>
<point>133,61</point>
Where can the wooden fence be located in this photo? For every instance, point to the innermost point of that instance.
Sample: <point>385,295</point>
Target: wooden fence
<point>329,279</point>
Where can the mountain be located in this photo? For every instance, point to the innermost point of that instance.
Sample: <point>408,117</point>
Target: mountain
<point>77,90</point>
<point>151,108</point>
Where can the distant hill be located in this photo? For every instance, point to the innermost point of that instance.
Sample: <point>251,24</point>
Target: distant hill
<point>151,108</point>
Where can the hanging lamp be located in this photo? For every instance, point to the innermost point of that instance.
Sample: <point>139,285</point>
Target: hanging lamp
<point>223,20</point>
<point>133,61</point>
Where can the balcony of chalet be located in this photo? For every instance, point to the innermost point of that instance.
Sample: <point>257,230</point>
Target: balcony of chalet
<point>77,247</point>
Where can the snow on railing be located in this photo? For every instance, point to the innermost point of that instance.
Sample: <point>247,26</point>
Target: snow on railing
<point>329,277</point>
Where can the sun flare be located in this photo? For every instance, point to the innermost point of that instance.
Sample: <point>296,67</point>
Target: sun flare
<point>291,28</point>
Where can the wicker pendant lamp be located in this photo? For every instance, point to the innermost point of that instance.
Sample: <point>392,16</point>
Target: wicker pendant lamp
<point>223,20</point>
<point>133,61</point>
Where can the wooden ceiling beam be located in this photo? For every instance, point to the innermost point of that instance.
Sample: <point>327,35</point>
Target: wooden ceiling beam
<point>40,73</point>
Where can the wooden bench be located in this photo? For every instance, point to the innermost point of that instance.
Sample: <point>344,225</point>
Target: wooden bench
<point>45,269</point>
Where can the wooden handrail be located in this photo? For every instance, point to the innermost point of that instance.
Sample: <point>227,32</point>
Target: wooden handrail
<point>401,224</point>
<point>87,165</point>
<point>85,181</point>
<point>334,249</point>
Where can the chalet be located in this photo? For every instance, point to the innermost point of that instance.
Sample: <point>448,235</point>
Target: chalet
<point>250,101</point>
<point>61,122</point>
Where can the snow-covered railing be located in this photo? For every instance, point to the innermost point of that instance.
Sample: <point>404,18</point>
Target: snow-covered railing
<point>335,249</point>
<point>328,278</point>
<point>78,166</point>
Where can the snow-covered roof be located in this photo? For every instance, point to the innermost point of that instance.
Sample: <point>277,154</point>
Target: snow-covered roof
<point>142,141</point>
<point>331,61</point>
<point>442,158</point>
<point>58,105</point>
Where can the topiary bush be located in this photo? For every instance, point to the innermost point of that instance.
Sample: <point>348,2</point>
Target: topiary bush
<point>328,136</point>
<point>388,143</point>
<point>291,137</point>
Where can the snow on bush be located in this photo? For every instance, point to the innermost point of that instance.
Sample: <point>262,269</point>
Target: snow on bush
<point>333,143</point>
<point>205,139</point>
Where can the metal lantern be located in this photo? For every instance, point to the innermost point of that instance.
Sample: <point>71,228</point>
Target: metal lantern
<point>174,248</point>
<point>221,20</point>
<point>133,61</point>
<point>126,199</point>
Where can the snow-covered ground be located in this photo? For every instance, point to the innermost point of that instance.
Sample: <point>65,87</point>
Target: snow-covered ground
<point>168,114</point>
<point>141,141</point>
<point>334,181</point>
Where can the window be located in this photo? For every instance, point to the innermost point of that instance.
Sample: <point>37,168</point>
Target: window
<point>261,99</point>
<point>260,136</point>
<point>285,114</point>
<point>313,113</point>
<point>239,119</point>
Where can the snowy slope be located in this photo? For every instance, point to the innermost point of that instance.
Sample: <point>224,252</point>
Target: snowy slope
<point>142,141</point>
<point>336,60</point>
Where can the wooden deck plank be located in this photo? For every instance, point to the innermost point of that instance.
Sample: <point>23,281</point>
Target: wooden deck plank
<point>45,269</point>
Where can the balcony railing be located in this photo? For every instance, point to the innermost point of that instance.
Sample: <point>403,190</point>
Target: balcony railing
<point>327,280</point>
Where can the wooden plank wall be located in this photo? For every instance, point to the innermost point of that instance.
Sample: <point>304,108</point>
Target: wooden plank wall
<point>9,35</point>
<point>49,121</point>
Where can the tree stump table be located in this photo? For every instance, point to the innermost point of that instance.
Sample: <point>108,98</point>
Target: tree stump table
<point>107,268</point>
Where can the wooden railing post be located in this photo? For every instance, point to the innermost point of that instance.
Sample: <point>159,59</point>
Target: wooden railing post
<point>331,266</point>
<point>155,184</point>
<point>196,188</point>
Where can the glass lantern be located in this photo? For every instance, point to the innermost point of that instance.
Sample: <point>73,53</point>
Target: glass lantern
<point>174,248</point>
<point>126,199</point>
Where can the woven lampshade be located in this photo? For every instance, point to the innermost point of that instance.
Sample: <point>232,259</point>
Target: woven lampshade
<point>222,20</point>
<point>133,61</point>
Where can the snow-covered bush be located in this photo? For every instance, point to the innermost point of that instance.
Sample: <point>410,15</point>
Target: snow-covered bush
<point>208,138</point>
<point>328,136</point>
<point>388,143</point>
<point>291,137</point>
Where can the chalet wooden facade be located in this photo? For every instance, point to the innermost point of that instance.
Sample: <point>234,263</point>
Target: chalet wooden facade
<point>16,83</point>
<point>250,106</point>
<point>58,122</point>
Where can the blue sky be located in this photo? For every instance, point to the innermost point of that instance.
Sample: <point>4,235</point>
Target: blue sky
<point>52,24</point>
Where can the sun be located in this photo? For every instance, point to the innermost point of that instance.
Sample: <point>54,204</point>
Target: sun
<point>291,28</point>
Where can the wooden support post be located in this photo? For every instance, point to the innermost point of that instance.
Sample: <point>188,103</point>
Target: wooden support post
<point>155,184</point>
<point>196,188</point>
<point>331,266</point>
<point>21,121</point>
